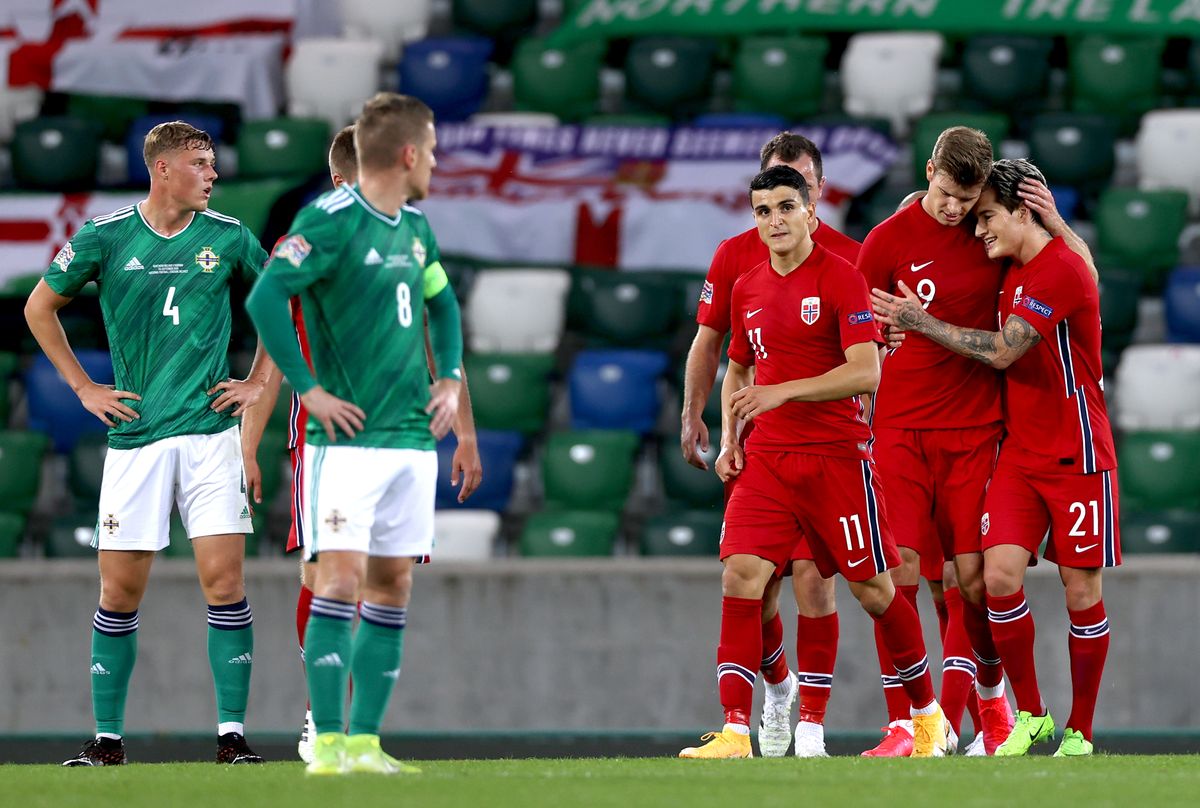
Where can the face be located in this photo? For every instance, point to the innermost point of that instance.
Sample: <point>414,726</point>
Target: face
<point>188,175</point>
<point>807,170</point>
<point>782,218</point>
<point>999,228</point>
<point>946,200</point>
<point>420,161</point>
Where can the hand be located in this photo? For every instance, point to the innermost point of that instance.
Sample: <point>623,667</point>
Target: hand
<point>104,401</point>
<point>693,439</point>
<point>253,477</point>
<point>467,466</point>
<point>893,337</point>
<point>730,462</point>
<point>904,312</point>
<point>443,406</point>
<point>755,399</point>
<point>329,410</point>
<point>242,392</point>
<point>1037,197</point>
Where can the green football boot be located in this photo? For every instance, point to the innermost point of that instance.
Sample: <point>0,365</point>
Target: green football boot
<point>1028,730</point>
<point>1074,745</point>
<point>364,754</point>
<point>329,754</point>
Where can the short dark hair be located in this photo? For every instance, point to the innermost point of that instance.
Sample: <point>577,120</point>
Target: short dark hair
<point>343,159</point>
<point>777,176</point>
<point>173,136</point>
<point>789,147</point>
<point>963,154</point>
<point>388,123</point>
<point>1005,182</point>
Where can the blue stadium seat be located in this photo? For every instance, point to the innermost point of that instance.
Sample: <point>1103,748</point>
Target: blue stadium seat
<point>616,389</point>
<point>53,406</point>
<point>447,73</point>
<point>740,120</point>
<point>1183,305</point>
<point>498,453</point>
<point>136,136</point>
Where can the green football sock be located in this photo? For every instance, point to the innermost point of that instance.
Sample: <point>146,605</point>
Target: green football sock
<point>114,650</point>
<point>378,647</point>
<point>230,655</point>
<point>327,654</point>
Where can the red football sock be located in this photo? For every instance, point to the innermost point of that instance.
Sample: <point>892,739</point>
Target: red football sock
<point>774,662</point>
<point>902,634</point>
<point>988,671</point>
<point>943,613</point>
<point>958,669</point>
<point>816,653</point>
<point>303,606</point>
<point>1088,644</point>
<point>1013,632</point>
<point>893,689</point>
<point>739,651</point>
<point>910,594</point>
<point>973,709</point>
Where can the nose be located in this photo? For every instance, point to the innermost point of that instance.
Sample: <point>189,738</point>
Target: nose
<point>980,229</point>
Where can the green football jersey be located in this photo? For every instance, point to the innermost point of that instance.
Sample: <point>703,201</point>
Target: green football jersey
<point>166,309</point>
<point>363,278</point>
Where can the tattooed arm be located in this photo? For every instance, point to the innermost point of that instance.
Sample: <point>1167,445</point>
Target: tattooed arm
<point>998,349</point>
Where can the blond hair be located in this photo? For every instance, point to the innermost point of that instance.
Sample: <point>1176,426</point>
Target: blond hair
<point>388,123</point>
<point>173,136</point>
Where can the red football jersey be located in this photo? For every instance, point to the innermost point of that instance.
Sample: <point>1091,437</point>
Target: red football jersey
<point>1054,409</point>
<point>798,326</point>
<point>737,255</point>
<point>925,386</point>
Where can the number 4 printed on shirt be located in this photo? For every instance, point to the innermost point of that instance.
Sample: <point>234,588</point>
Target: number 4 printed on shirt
<point>168,309</point>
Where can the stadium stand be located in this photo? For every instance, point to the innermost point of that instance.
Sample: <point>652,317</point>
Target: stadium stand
<point>686,486</point>
<point>1182,297</point>
<point>1158,387</point>
<point>330,78</point>
<point>447,73</point>
<point>1176,531</point>
<point>21,454</point>
<point>1141,229</point>
<point>565,83</point>
<point>465,535</point>
<point>283,148</point>
<point>1006,73</point>
<point>498,452</point>
<point>616,389</point>
<point>510,391</point>
<point>891,75</point>
<point>1168,152</point>
<point>517,310</point>
<point>569,533</point>
<point>53,406</point>
<point>682,533</point>
<point>1116,76</point>
<point>1159,470</point>
<point>1076,149</point>
<point>393,24</point>
<point>672,76</point>
<point>591,469</point>
<point>780,75</point>
<point>56,153</point>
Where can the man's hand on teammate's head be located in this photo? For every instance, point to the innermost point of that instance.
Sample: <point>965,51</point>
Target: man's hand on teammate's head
<point>693,439</point>
<point>104,402</point>
<point>730,461</point>
<point>240,392</point>
<point>902,312</point>
<point>467,466</point>
<point>755,399</point>
<point>443,406</point>
<point>330,410</point>
<point>1037,197</point>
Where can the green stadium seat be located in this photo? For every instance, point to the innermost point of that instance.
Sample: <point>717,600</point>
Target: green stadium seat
<point>683,533</point>
<point>783,75</point>
<point>626,308</point>
<point>1145,532</point>
<point>510,391</point>
<point>563,82</point>
<point>283,147</point>
<point>1116,75</point>
<point>12,528</point>
<point>569,534</point>
<point>671,75</point>
<point>1119,291</point>
<point>1159,470</point>
<point>1141,229</point>
<point>687,484</point>
<point>71,535</point>
<point>927,129</point>
<point>113,113</point>
<point>21,456</point>
<point>589,469</point>
<point>9,364</point>
<point>1006,72</point>
<point>494,17</point>
<point>250,201</point>
<point>56,153</point>
<point>1073,148</point>
<point>85,468</point>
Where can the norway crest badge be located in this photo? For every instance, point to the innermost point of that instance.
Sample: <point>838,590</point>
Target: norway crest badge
<point>810,310</point>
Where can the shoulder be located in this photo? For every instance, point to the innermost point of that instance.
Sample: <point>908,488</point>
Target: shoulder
<point>742,252</point>
<point>750,276</point>
<point>220,220</point>
<point>118,215</point>
<point>330,203</point>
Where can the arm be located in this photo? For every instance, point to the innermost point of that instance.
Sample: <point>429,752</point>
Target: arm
<point>858,375</point>
<point>1039,199</point>
<point>445,337</point>
<point>466,462</point>
<point>997,349</point>
<point>730,461</point>
<point>243,393</point>
<point>703,359</point>
<point>254,423</point>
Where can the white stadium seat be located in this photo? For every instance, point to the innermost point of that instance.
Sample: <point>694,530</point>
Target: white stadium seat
<point>466,535</point>
<point>1158,387</point>
<point>331,78</point>
<point>17,104</point>
<point>1168,152</point>
<point>891,75</point>
<point>392,23</point>
<point>517,310</point>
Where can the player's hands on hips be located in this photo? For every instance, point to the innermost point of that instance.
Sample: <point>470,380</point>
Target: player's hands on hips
<point>755,399</point>
<point>332,411</point>
<point>443,406</point>
<point>104,402</point>
<point>903,312</point>
<point>693,439</point>
<point>1037,197</point>
<point>467,466</point>
<point>730,461</point>
<point>240,392</point>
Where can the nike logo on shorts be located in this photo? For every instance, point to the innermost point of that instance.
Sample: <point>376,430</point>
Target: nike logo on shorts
<point>1079,549</point>
<point>919,267</point>
<point>853,564</point>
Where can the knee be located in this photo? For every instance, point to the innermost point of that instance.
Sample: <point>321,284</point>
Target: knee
<point>814,594</point>
<point>909,571</point>
<point>1000,582</point>
<point>343,585</point>
<point>875,596</point>
<point>972,589</point>
<point>1082,593</point>
<point>118,596</point>
<point>740,581</point>
<point>395,584</point>
<point>224,587</point>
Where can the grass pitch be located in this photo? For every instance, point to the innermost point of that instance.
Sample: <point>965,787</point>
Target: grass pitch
<point>623,783</point>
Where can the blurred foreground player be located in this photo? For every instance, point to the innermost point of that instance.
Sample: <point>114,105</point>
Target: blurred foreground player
<point>802,321</point>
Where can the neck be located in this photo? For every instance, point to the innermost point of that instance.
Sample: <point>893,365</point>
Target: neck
<point>164,215</point>
<point>1032,244</point>
<point>813,224</point>
<point>385,190</point>
<point>785,263</point>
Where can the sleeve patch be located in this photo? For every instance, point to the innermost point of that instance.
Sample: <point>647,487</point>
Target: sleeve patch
<point>859,317</point>
<point>65,256</point>
<point>1038,307</point>
<point>293,249</point>
<point>706,293</point>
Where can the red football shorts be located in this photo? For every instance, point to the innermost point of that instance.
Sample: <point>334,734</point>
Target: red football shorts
<point>782,497</point>
<point>935,481</point>
<point>1081,511</point>
<point>296,532</point>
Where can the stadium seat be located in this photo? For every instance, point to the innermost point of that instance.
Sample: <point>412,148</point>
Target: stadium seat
<point>1168,152</point>
<point>510,391</point>
<point>9,363</point>
<point>1146,532</point>
<point>563,82</point>
<point>135,139</point>
<point>494,17</point>
<point>627,308</point>
<point>1159,470</point>
<point>1158,387</point>
<point>780,75</point>
<point>517,310</point>
<point>71,535</point>
<point>740,120</point>
<point>21,456</point>
<point>282,147</point>
<point>569,534</point>
<point>53,406</point>
<point>331,77</point>
<point>1116,75</point>
<point>498,452</point>
<point>928,127</point>
<point>1183,305</point>
<point>56,154</point>
<point>390,23</point>
<point>467,535</point>
<point>113,113</point>
<point>1119,289</point>
<point>670,75</point>
<point>1141,229</point>
<point>712,406</point>
<point>589,470</point>
<point>447,73</point>
<point>85,467</point>
<point>616,389</point>
<point>687,485</point>
<point>17,104</point>
<point>1073,148</point>
<point>251,201</point>
<point>12,528</point>
<point>1006,72</point>
<point>683,533</point>
<point>892,75</point>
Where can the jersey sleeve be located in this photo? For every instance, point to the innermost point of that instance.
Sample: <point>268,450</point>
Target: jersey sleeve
<point>77,263</point>
<point>852,306</point>
<point>435,278</point>
<point>1048,298</point>
<point>739,345</point>
<point>253,256</point>
<point>716,294</point>
<point>308,252</point>
<point>875,261</point>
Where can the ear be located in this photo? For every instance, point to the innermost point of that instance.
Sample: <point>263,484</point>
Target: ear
<point>820,188</point>
<point>929,171</point>
<point>409,156</point>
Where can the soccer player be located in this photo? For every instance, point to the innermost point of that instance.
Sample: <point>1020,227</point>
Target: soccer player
<point>817,619</point>
<point>164,268</point>
<point>802,321</point>
<point>1055,472</point>
<point>366,266</point>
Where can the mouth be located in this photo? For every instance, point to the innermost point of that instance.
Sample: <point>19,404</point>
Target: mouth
<point>989,242</point>
<point>784,234</point>
<point>952,217</point>
<point>207,191</point>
